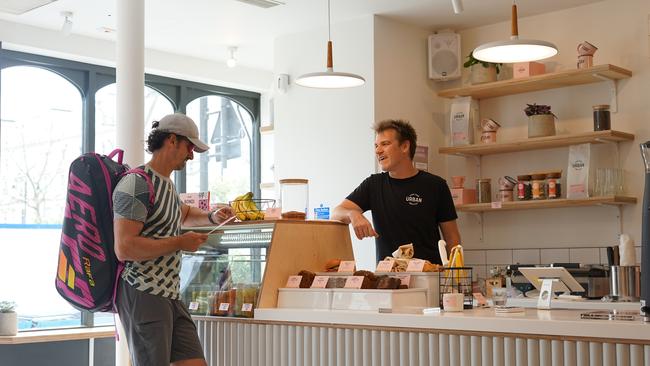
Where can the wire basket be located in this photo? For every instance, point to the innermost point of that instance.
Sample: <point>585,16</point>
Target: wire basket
<point>251,209</point>
<point>457,280</point>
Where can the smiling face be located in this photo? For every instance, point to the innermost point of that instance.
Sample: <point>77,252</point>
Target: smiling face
<point>390,153</point>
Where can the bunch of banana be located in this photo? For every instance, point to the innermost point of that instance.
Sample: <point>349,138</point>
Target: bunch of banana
<point>245,208</point>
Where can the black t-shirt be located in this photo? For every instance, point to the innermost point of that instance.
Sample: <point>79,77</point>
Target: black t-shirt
<point>406,211</point>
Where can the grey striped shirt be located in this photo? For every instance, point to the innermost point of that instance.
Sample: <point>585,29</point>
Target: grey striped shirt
<point>159,276</point>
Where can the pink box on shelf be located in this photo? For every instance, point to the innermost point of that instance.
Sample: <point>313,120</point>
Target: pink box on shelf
<point>525,69</point>
<point>463,196</point>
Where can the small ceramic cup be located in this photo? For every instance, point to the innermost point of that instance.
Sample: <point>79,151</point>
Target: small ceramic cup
<point>452,302</point>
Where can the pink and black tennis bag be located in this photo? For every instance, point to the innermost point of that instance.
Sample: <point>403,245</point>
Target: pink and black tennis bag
<point>88,269</point>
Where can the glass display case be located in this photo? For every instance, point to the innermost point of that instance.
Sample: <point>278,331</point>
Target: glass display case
<point>242,264</point>
<point>223,277</point>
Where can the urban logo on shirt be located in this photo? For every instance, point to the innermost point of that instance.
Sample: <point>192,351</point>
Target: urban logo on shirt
<point>413,199</point>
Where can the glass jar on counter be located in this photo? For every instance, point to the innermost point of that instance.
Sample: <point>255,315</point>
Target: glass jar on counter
<point>538,184</point>
<point>294,195</point>
<point>524,190</point>
<point>484,190</point>
<point>553,185</point>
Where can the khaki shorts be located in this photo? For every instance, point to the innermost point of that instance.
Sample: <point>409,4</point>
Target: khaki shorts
<point>158,330</point>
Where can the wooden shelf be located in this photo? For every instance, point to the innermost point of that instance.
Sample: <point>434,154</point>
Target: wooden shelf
<point>540,82</point>
<point>536,143</point>
<point>57,335</point>
<point>265,130</point>
<point>556,203</point>
<point>268,185</point>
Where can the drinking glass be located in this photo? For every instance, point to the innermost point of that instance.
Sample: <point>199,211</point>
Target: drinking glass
<point>499,296</point>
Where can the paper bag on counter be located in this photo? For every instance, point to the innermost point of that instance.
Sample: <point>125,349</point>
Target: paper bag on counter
<point>627,252</point>
<point>577,180</point>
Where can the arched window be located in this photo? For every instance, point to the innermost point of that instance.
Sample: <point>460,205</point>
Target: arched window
<point>155,107</point>
<point>40,135</point>
<point>224,170</point>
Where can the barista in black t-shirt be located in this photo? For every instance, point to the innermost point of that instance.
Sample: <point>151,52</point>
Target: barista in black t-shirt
<point>407,205</point>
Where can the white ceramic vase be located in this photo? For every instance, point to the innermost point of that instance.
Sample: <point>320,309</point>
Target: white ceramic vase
<point>481,74</point>
<point>540,125</point>
<point>8,324</point>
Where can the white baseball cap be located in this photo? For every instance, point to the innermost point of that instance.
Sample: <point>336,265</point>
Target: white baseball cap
<point>183,125</point>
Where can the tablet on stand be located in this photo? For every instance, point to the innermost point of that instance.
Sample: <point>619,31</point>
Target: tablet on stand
<point>549,280</point>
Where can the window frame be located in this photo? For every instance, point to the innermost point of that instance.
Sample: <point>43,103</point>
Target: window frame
<point>89,78</point>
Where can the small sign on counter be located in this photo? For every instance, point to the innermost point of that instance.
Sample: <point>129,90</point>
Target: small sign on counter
<point>354,282</point>
<point>293,282</point>
<point>415,265</point>
<point>347,266</point>
<point>385,265</point>
<point>320,282</point>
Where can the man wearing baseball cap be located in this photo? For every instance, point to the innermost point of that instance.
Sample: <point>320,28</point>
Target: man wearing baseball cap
<point>158,327</point>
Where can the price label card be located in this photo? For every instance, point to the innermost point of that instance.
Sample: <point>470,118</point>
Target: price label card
<point>353,282</point>
<point>385,265</point>
<point>224,306</point>
<point>347,266</point>
<point>405,278</point>
<point>496,204</point>
<point>293,282</point>
<point>247,307</point>
<point>194,305</point>
<point>415,265</point>
<point>480,299</point>
<point>320,282</point>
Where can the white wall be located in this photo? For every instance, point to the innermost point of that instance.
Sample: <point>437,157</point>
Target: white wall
<point>403,89</point>
<point>325,135</point>
<point>620,30</point>
<point>47,42</point>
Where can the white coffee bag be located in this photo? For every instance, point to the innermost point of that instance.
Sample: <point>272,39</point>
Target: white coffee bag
<point>577,180</point>
<point>463,113</point>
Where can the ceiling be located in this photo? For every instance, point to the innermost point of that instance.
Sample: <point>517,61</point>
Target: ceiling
<point>206,28</point>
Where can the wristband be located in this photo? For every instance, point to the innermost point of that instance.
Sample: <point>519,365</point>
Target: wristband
<point>210,217</point>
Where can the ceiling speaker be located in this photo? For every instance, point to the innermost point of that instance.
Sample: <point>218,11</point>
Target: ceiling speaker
<point>444,56</point>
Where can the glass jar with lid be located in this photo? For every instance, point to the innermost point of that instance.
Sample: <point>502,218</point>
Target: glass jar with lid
<point>601,117</point>
<point>294,195</point>
<point>524,190</point>
<point>553,185</point>
<point>484,190</point>
<point>538,183</point>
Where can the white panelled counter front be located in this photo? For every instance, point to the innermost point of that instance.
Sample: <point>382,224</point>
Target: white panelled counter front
<point>472,337</point>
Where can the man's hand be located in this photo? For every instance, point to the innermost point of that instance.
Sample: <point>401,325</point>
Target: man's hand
<point>223,213</point>
<point>362,227</point>
<point>191,241</point>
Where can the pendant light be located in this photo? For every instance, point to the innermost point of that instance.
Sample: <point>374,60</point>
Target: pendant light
<point>330,79</point>
<point>515,49</point>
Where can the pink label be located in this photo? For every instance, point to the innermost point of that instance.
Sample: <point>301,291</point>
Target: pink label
<point>347,266</point>
<point>224,306</point>
<point>353,282</point>
<point>293,282</point>
<point>496,204</point>
<point>415,265</point>
<point>385,265</point>
<point>320,282</point>
<point>247,307</point>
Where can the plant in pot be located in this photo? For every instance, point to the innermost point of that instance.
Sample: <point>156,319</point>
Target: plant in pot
<point>481,71</point>
<point>541,121</point>
<point>8,318</point>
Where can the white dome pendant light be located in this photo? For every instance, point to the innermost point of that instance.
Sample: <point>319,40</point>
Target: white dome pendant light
<point>515,49</point>
<point>330,79</point>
